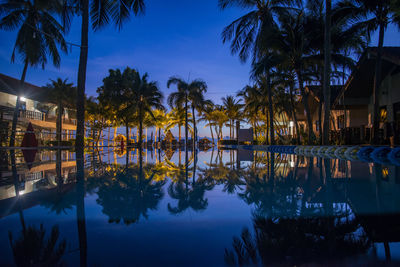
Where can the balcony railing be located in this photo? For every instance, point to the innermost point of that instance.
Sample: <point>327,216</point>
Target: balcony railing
<point>33,115</point>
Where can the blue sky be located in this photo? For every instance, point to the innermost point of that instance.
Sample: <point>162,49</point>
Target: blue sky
<point>175,37</point>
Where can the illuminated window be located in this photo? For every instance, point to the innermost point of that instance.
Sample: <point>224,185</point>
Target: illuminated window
<point>383,115</point>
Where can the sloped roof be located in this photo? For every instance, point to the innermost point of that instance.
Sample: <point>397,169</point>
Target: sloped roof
<point>361,82</point>
<point>11,86</point>
<point>316,90</point>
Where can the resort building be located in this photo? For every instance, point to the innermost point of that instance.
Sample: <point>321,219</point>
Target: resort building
<point>34,109</point>
<point>354,102</point>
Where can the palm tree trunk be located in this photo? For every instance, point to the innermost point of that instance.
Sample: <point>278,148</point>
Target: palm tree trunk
<point>212,135</point>
<point>58,123</point>
<point>327,74</point>
<point>140,129</point>
<point>159,135</point>
<point>115,134</point>
<point>378,74</point>
<point>17,106</point>
<point>194,128</point>
<point>80,211</point>
<point>155,137</point>
<point>108,138</point>
<point>127,135</point>
<point>270,110</point>
<point>80,103</point>
<point>294,114</point>
<point>306,106</point>
<point>179,135</point>
<point>321,132</point>
<point>186,121</point>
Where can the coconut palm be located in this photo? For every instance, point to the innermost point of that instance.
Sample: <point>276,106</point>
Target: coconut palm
<point>132,95</point>
<point>181,97</point>
<point>176,117</point>
<point>160,122</point>
<point>102,12</point>
<point>207,116</point>
<point>39,36</point>
<point>196,97</point>
<point>130,193</point>
<point>63,93</point>
<point>32,248</point>
<point>247,33</point>
<point>373,15</point>
<point>233,110</point>
<point>147,96</point>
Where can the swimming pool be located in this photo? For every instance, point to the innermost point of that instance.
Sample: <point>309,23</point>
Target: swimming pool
<point>210,208</point>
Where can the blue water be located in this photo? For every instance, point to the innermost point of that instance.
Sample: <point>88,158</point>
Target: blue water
<point>209,208</point>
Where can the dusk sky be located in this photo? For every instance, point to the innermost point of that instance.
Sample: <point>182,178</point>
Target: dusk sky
<point>178,37</point>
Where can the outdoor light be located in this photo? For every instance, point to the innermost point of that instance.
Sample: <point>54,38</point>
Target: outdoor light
<point>23,99</point>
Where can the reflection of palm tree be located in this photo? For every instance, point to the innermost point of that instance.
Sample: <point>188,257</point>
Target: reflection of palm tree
<point>298,240</point>
<point>190,194</point>
<point>130,194</point>
<point>32,249</point>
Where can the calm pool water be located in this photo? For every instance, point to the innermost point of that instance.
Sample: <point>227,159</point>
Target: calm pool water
<point>211,208</point>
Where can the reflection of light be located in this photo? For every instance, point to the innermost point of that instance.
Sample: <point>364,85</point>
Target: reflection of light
<point>291,123</point>
<point>21,192</point>
<point>23,99</point>
<point>292,164</point>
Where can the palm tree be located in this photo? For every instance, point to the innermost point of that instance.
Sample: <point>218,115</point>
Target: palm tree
<point>62,93</point>
<point>327,75</point>
<point>295,44</point>
<point>160,122</point>
<point>233,109</point>
<point>373,15</point>
<point>132,95</point>
<point>39,35</point>
<point>248,32</point>
<point>207,116</point>
<point>196,97</point>
<point>33,249</point>
<point>181,98</point>
<point>102,12</point>
<point>147,96</point>
<point>176,117</point>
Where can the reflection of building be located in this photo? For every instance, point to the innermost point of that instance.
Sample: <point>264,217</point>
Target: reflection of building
<point>41,176</point>
<point>41,114</point>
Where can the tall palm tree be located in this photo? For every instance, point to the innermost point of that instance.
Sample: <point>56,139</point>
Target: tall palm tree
<point>147,96</point>
<point>132,95</point>
<point>160,122</point>
<point>374,15</point>
<point>295,44</point>
<point>327,72</point>
<point>247,32</point>
<point>233,109</point>
<point>39,35</point>
<point>181,97</point>
<point>207,116</point>
<point>63,93</point>
<point>102,12</point>
<point>196,97</point>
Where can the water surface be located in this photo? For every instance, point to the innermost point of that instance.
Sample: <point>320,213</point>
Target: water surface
<point>209,208</point>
